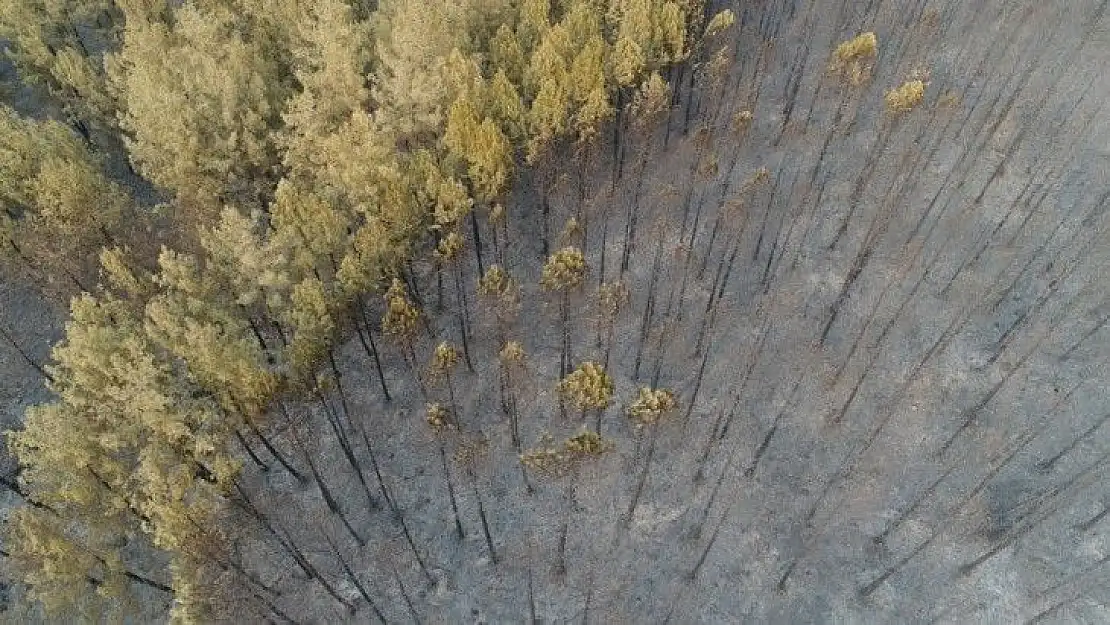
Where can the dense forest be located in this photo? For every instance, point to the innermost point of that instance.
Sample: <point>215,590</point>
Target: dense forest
<point>554,311</point>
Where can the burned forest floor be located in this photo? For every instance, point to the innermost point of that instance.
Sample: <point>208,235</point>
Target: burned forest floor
<point>885,330</point>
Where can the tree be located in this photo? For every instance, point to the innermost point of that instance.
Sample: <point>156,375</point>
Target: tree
<point>588,387</point>
<point>482,146</point>
<point>564,271</point>
<point>444,359</point>
<point>511,361</point>
<point>333,55</point>
<point>309,315</point>
<point>214,341</point>
<point>854,59</point>
<point>48,47</point>
<point>402,321</point>
<point>414,39</point>
<point>650,406</point>
<point>199,101</point>
<point>58,207</point>
<point>127,446</point>
<point>69,579</point>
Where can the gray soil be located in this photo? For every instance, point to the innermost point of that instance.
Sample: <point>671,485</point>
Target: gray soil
<point>901,413</point>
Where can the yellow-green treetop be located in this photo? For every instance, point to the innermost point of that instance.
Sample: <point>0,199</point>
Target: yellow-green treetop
<point>507,55</point>
<point>589,387</point>
<point>122,443</point>
<point>192,319</point>
<point>649,34</point>
<point>47,47</point>
<point>333,56</point>
<point>444,358</point>
<point>506,106</point>
<point>373,255</point>
<point>401,318</point>
<point>500,289</point>
<point>564,270</point>
<point>199,103</point>
<point>482,145</point>
<point>512,353</point>
<point>414,39</point>
<point>54,199</point>
<point>651,405</point>
<point>122,276</point>
<point>250,269</point>
<point>57,569</point>
<point>310,317</point>
<point>310,227</point>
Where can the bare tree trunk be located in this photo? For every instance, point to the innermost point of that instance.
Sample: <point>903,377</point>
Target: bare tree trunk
<point>25,356</point>
<point>370,347</point>
<point>464,317</point>
<point>628,516</point>
<point>482,517</point>
<point>451,493</point>
<point>354,578</point>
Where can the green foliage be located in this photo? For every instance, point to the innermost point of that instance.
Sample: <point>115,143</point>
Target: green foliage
<point>449,247</point>
<point>309,314</point>
<point>906,96</point>
<point>585,444</point>
<point>438,416</point>
<point>512,353</point>
<point>549,458</point>
<point>59,570</point>
<point>854,59</point>
<point>500,289</point>
<point>192,319</point>
<point>47,47</point>
<point>444,358</point>
<point>612,297</point>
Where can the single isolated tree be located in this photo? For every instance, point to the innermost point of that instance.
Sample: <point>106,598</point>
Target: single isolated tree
<point>564,271</point>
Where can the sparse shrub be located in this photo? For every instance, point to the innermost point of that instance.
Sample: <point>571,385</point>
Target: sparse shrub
<point>545,457</point>
<point>572,231</point>
<point>444,359</point>
<point>585,444</point>
<point>438,416</point>
<point>449,247</point>
<point>500,289</point>
<point>497,214</point>
<point>612,297</point>
<point>853,59</point>
<point>949,100</point>
<point>512,353</point>
<point>720,22</point>
<point>742,120</point>
<point>905,97</point>
<point>651,405</point>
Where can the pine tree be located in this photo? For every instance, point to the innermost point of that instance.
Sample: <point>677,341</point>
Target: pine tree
<point>414,40</point>
<point>58,208</point>
<point>564,271</point>
<point>650,406</point>
<point>199,99</point>
<point>48,47</point>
